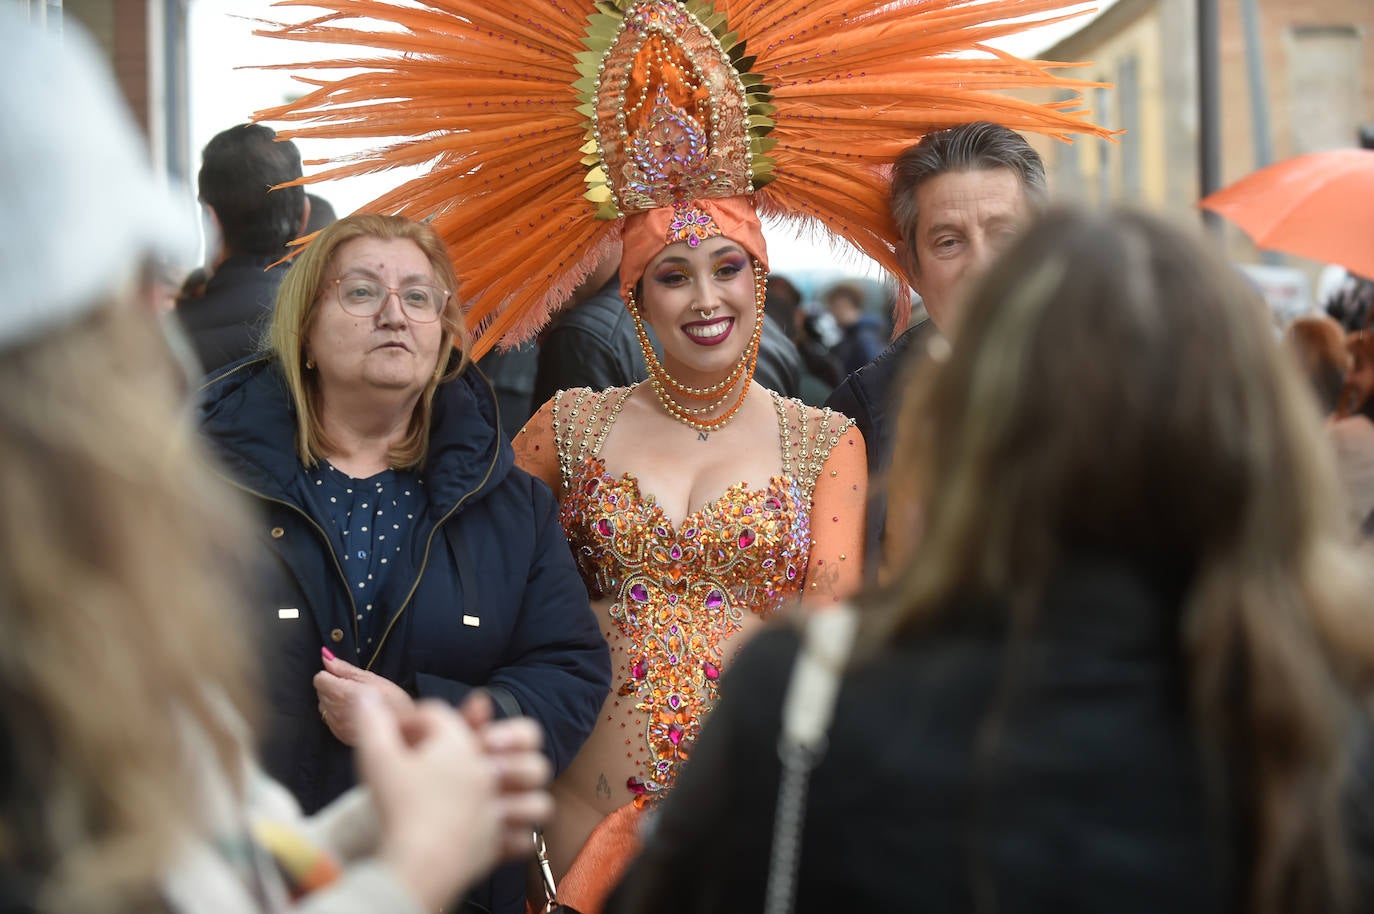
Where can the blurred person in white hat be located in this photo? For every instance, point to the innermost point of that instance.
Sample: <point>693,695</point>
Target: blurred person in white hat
<point>126,780</point>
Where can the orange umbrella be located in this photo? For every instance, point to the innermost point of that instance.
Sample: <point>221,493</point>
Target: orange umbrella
<point>1319,205</point>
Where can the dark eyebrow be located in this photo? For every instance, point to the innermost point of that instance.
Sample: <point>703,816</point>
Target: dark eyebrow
<point>994,222</point>
<point>731,248</point>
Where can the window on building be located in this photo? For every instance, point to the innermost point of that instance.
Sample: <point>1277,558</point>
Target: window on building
<point>1128,119</point>
<point>1102,104</point>
<point>1324,86</point>
<point>1068,172</point>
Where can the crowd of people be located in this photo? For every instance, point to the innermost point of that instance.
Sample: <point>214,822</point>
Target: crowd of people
<point>1058,600</point>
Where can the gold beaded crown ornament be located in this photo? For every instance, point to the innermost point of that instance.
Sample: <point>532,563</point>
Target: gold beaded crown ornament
<point>553,128</point>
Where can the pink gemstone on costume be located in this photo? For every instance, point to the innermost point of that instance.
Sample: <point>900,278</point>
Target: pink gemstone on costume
<point>715,599</point>
<point>661,531</point>
<point>672,599</point>
<point>592,485</point>
<point>772,504</point>
<point>636,786</point>
<point>675,701</point>
<point>675,735</point>
<point>604,527</point>
<point>639,670</point>
<point>639,593</point>
<point>675,552</point>
<point>689,533</point>
<point>711,671</point>
<point>746,538</point>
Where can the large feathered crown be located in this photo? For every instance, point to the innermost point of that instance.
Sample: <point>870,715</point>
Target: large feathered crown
<point>545,121</point>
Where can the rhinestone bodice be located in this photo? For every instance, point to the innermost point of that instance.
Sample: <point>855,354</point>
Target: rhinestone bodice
<point>678,592</point>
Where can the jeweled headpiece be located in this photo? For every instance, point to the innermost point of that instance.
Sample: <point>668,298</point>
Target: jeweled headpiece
<point>554,127</point>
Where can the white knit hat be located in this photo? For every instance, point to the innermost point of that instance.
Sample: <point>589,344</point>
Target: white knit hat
<point>79,205</point>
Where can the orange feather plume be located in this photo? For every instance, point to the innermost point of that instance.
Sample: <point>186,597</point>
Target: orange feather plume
<point>486,93</point>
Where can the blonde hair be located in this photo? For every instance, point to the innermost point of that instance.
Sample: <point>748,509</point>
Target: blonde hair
<point>1116,386</point>
<point>119,557</point>
<point>300,295</point>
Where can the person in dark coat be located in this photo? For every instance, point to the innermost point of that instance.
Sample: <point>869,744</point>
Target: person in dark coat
<point>412,556</point>
<point>226,311</point>
<point>1121,669</point>
<point>958,197</point>
<point>861,336</point>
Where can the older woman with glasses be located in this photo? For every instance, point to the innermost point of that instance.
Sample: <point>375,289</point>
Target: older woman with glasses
<point>412,556</point>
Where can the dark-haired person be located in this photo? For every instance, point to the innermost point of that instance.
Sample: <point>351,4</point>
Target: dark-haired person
<point>959,196</point>
<point>227,316</point>
<point>1126,666</point>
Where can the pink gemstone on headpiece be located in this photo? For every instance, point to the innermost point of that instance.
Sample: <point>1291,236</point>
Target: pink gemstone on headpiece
<point>747,537</point>
<point>715,599</point>
<point>639,593</point>
<point>711,670</point>
<point>604,527</point>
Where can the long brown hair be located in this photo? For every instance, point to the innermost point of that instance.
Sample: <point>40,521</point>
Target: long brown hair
<point>1116,386</point>
<point>299,297</point>
<point>119,561</point>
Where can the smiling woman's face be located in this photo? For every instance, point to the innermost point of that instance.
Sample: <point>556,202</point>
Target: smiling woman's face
<point>700,302</point>
<point>388,351</point>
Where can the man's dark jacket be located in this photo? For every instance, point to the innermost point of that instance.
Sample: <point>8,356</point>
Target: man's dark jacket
<point>871,397</point>
<point>229,320</point>
<point>488,597</point>
<point>594,345</point>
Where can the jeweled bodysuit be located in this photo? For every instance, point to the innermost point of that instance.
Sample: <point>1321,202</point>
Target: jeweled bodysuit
<point>678,592</point>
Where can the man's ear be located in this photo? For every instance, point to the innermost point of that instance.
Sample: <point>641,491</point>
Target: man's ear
<point>910,266</point>
<point>305,217</point>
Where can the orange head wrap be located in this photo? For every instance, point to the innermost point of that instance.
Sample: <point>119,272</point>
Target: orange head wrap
<point>649,232</point>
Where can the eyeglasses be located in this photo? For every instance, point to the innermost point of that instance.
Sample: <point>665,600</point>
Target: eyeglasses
<point>362,297</point>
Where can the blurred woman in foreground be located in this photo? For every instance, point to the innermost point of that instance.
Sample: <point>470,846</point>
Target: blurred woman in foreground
<point>1122,667</point>
<point>126,781</point>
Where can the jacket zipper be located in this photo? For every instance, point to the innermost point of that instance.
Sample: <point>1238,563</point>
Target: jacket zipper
<point>352,605</point>
<point>424,562</point>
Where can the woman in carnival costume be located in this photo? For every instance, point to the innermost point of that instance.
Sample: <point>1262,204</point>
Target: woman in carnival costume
<point>698,504</point>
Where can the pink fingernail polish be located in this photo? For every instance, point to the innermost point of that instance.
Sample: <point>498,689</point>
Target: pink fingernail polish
<point>328,654</point>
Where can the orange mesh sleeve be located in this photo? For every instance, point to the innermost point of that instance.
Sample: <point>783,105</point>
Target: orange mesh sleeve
<point>536,449</point>
<point>835,570</point>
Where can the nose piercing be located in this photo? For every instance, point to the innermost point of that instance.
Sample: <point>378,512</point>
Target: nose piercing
<point>705,314</point>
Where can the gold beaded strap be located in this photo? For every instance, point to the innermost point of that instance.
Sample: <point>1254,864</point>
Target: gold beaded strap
<point>564,431</point>
<point>780,403</point>
<point>609,420</point>
<point>833,425</point>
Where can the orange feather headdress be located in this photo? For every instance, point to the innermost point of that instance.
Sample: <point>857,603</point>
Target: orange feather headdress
<point>546,123</point>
